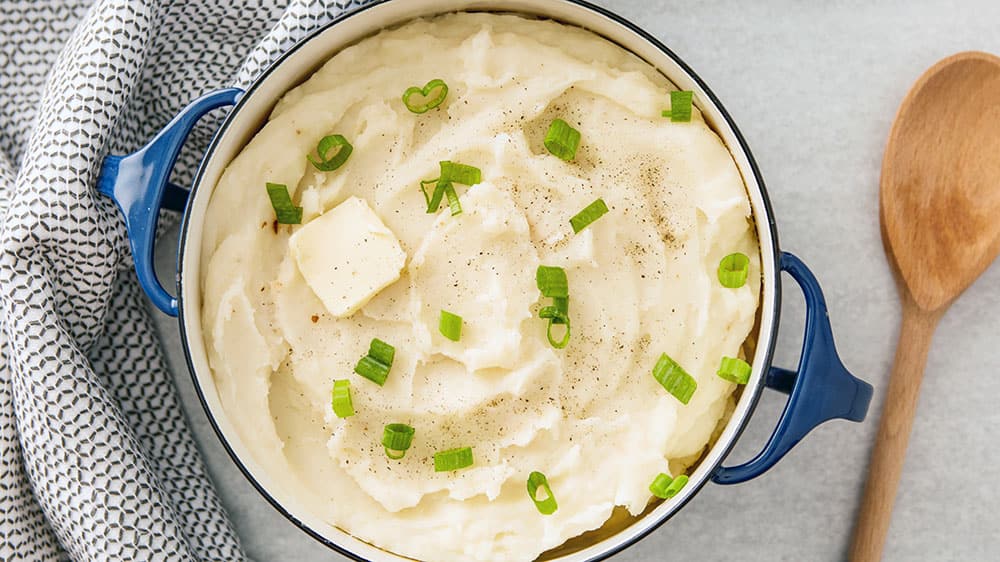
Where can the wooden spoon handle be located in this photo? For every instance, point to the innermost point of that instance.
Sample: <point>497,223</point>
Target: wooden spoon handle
<point>900,403</point>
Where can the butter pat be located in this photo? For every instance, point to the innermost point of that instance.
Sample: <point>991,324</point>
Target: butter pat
<point>347,255</point>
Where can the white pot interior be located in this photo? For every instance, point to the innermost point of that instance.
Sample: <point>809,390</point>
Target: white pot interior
<point>296,67</point>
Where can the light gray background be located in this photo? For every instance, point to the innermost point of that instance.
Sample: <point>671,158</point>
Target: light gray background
<point>814,87</point>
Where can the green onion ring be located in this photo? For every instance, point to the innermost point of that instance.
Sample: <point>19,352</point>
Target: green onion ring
<point>328,163</point>
<point>734,370</point>
<point>430,102</point>
<point>674,379</point>
<point>733,270</point>
<point>546,506</point>
<point>341,398</point>
<point>396,438</point>
<point>453,459</point>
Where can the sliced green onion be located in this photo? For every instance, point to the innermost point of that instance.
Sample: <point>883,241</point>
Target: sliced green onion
<point>372,370</point>
<point>733,270</point>
<point>341,398</point>
<point>547,505</point>
<point>453,459</point>
<point>674,379</point>
<point>558,315</point>
<point>450,325</point>
<point>451,173</point>
<point>562,306</point>
<point>381,352</point>
<point>434,200</point>
<point>396,438</point>
<point>460,173</point>
<point>427,197</point>
<point>326,162</point>
<point>659,486</point>
<point>676,485</point>
<point>430,102</point>
<point>375,366</point>
<point>680,106</point>
<point>549,312</point>
<point>558,311</point>
<point>589,214</point>
<point>558,344</point>
<point>552,281</point>
<point>562,140</point>
<point>453,203</point>
<point>734,370</point>
<point>665,487</point>
<point>284,210</point>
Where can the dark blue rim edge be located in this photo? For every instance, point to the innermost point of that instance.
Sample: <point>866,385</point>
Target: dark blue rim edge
<point>768,354</point>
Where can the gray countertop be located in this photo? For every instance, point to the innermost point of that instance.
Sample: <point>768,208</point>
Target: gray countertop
<point>814,87</point>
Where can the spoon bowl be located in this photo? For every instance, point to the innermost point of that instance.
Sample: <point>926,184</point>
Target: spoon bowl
<point>940,188</point>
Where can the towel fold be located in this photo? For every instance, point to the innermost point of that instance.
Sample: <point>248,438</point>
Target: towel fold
<point>96,459</point>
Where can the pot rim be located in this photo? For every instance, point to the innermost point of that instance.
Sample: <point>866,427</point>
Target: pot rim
<point>646,523</point>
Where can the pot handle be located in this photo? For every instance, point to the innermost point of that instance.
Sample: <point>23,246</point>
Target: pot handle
<point>138,184</point>
<point>820,390</point>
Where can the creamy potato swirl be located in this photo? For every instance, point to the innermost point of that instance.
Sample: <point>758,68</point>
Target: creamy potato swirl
<point>642,281</point>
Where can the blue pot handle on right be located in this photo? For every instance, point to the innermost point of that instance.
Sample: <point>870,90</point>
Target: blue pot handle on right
<point>820,390</point>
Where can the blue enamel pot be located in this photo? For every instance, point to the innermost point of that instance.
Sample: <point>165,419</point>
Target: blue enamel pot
<point>818,390</point>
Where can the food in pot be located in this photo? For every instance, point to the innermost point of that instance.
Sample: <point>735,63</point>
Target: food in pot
<point>475,283</point>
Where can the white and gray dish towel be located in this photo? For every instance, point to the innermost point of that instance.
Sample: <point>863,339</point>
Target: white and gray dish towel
<point>96,459</point>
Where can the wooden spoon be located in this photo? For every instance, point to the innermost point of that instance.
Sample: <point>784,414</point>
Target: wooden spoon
<point>940,211</point>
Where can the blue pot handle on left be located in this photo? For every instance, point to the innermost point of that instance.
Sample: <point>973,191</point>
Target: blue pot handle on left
<point>139,185</point>
<point>820,390</point>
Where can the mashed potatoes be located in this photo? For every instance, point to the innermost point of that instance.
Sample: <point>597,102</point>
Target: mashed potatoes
<point>642,282</point>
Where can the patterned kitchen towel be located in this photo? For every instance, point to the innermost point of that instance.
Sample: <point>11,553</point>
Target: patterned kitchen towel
<point>96,459</point>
